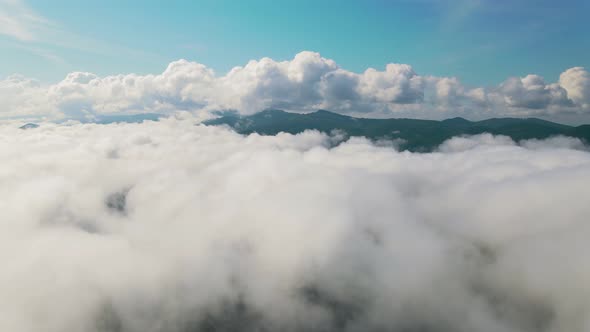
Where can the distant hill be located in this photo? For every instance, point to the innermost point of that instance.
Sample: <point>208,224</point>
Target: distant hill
<point>134,118</point>
<point>29,126</point>
<point>418,135</point>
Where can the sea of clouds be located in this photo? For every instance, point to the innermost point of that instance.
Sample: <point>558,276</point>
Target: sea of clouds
<point>171,226</point>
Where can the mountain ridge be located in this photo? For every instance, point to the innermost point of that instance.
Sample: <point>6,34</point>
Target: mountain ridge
<point>417,134</point>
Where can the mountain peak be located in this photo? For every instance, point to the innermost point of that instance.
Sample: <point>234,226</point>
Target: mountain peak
<point>457,120</point>
<point>271,111</point>
<point>328,114</point>
<point>323,112</point>
<point>29,126</point>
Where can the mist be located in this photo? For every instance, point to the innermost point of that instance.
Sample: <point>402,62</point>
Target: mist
<point>171,226</point>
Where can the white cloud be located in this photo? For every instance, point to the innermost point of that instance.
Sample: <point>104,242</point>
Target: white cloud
<point>532,92</point>
<point>576,81</point>
<point>24,97</point>
<point>397,84</point>
<point>47,39</point>
<point>465,143</point>
<point>557,142</point>
<point>166,226</point>
<point>461,144</point>
<point>305,83</point>
<point>18,21</point>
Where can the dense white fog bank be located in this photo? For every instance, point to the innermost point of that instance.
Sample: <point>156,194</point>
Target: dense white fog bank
<point>168,226</point>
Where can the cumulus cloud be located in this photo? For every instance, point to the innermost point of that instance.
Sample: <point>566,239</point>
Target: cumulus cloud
<point>168,226</point>
<point>576,81</point>
<point>397,84</point>
<point>531,92</point>
<point>23,97</point>
<point>305,83</point>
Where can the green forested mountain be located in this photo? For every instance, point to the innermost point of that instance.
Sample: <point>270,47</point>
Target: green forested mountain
<point>417,135</point>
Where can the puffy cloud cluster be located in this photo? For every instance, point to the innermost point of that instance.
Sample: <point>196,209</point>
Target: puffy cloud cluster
<point>23,97</point>
<point>397,84</point>
<point>576,81</point>
<point>305,83</point>
<point>532,92</point>
<point>168,226</point>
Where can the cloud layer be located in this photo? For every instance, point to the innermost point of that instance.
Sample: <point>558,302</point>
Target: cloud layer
<point>305,83</point>
<point>168,226</point>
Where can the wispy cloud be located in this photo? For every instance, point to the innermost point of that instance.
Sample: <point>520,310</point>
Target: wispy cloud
<point>40,52</point>
<point>457,12</point>
<point>30,31</point>
<point>26,28</point>
<point>20,22</point>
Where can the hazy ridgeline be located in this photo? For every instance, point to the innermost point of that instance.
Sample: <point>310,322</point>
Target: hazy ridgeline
<point>168,226</point>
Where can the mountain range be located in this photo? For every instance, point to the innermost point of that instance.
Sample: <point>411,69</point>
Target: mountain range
<point>412,134</point>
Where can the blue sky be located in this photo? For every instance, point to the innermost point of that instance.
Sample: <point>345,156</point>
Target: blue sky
<point>480,42</point>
